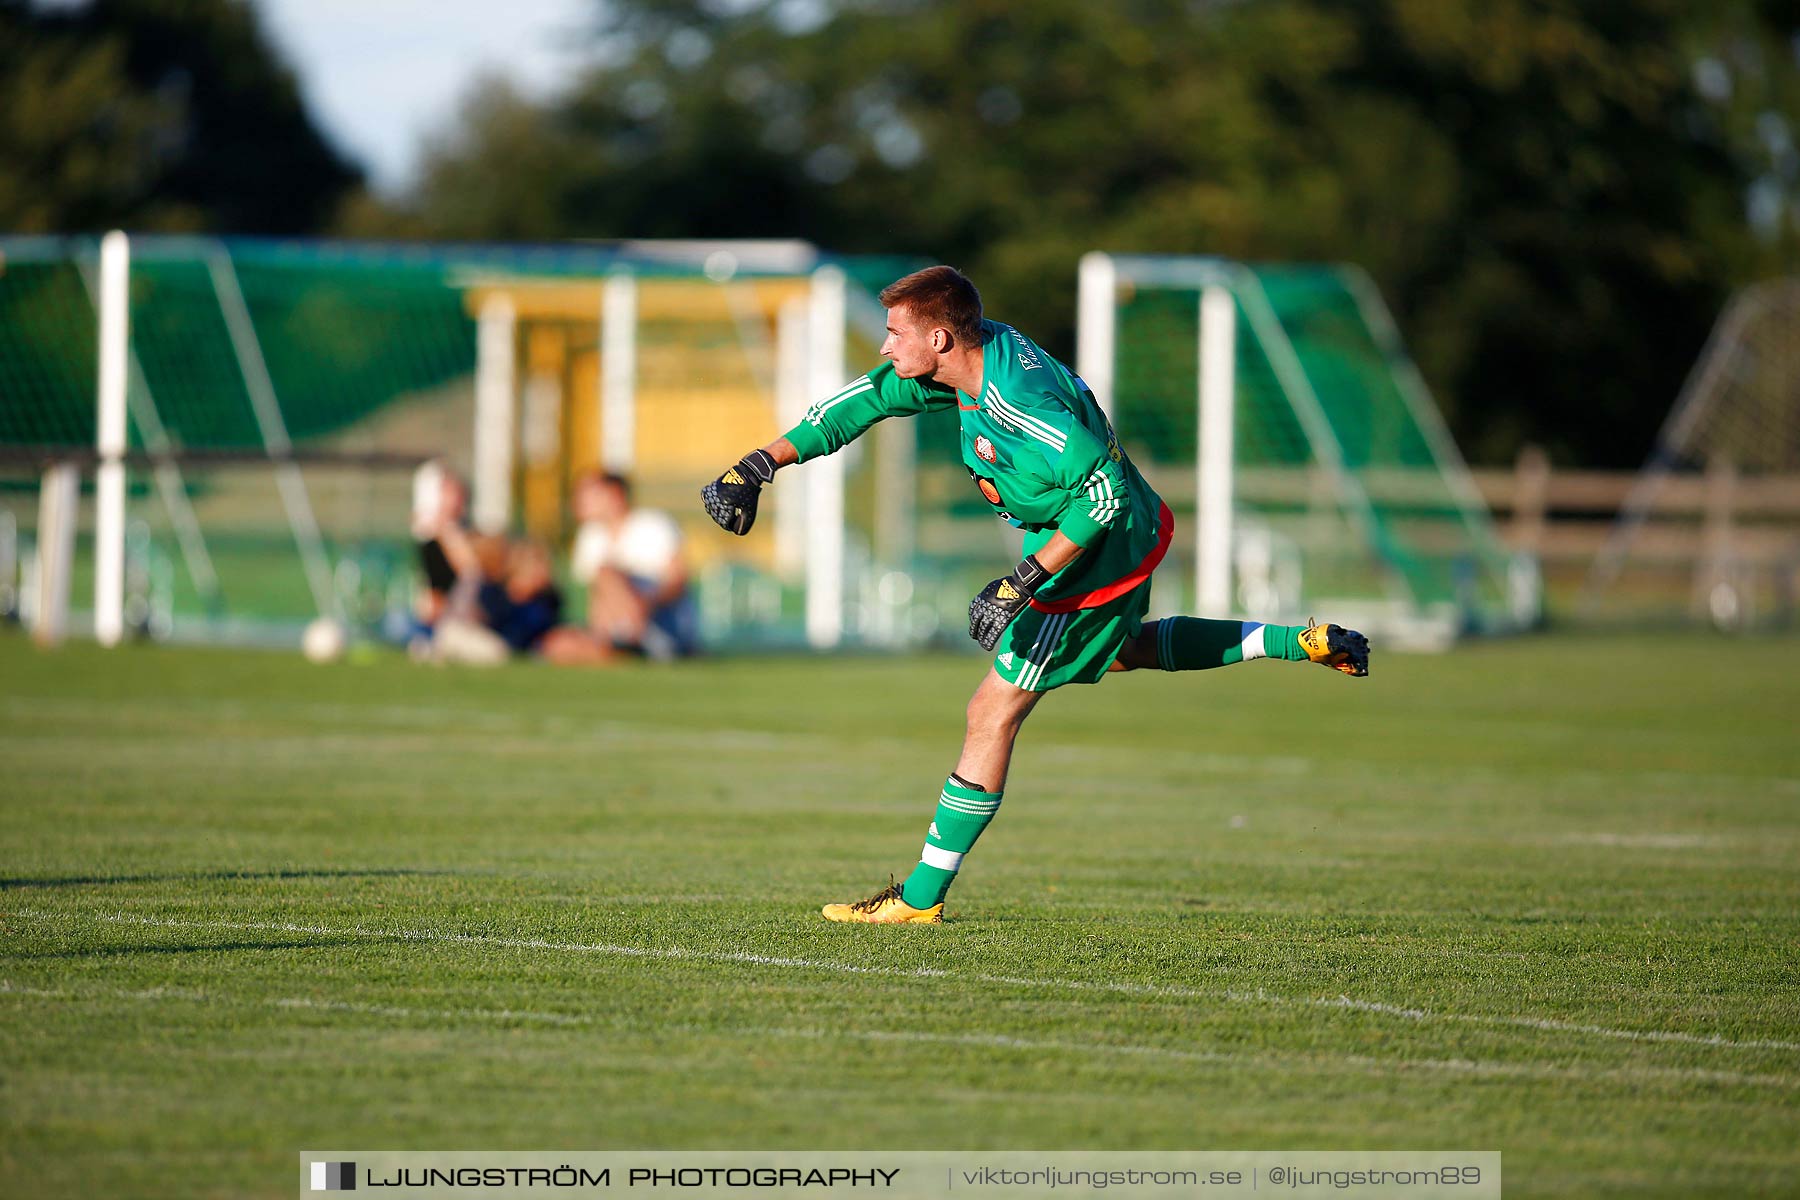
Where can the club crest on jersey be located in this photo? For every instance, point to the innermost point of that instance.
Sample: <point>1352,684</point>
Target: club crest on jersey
<point>984,450</point>
<point>988,490</point>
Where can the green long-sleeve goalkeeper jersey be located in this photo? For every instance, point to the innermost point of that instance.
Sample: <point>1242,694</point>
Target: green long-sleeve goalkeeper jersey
<point>1039,448</point>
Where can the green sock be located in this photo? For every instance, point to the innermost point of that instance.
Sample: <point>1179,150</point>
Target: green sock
<point>962,813</point>
<point>1195,643</point>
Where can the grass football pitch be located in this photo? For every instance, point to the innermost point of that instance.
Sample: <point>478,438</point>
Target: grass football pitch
<point>1541,897</point>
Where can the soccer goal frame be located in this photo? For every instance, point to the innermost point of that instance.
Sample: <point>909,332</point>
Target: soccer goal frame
<point>1738,411</point>
<point>118,371</point>
<point>1234,308</point>
<point>111,386</point>
<point>810,345</point>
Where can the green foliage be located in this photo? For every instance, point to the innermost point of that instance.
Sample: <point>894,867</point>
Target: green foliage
<point>253,905</point>
<point>156,115</point>
<point>1553,207</point>
<point>342,338</point>
<point>48,345</point>
<point>1555,195</point>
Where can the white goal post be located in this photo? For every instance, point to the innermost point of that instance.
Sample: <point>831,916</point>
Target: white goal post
<point>809,345</point>
<point>1330,453</point>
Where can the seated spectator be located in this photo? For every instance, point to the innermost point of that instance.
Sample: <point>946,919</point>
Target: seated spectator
<point>522,605</point>
<point>484,598</point>
<point>631,560</point>
<point>448,617</point>
<point>440,530</point>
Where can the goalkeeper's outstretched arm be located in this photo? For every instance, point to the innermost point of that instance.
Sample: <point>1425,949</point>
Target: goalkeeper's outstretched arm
<point>828,427</point>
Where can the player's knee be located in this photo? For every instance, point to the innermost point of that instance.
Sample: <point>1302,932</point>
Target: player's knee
<point>979,717</point>
<point>1137,653</point>
<point>993,711</point>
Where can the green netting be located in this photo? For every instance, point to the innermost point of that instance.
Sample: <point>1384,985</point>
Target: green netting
<point>341,341</point>
<point>1156,375</point>
<point>368,352</point>
<point>339,344</point>
<point>349,343</point>
<point>179,338</point>
<point>372,349</point>
<point>1336,474</point>
<point>47,354</point>
<point>344,341</point>
<point>1351,375</point>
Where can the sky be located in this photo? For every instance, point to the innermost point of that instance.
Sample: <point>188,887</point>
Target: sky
<point>380,74</point>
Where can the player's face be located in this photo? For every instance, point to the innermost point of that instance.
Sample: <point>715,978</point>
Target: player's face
<point>909,345</point>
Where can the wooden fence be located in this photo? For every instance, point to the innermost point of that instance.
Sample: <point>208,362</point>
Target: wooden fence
<point>1700,530</point>
<point>1565,516</point>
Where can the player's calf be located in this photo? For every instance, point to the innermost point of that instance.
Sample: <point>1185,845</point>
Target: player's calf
<point>1199,644</point>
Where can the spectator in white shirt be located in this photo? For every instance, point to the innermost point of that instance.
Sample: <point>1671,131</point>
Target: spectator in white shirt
<point>637,580</point>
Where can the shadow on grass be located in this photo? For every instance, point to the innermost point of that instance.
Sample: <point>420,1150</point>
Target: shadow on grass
<point>196,948</point>
<point>198,876</point>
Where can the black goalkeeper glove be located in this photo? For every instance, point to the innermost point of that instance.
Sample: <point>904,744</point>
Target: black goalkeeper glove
<point>1002,600</point>
<point>731,498</point>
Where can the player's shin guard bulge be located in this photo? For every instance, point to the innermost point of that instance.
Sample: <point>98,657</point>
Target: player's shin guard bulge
<point>963,811</point>
<point>1199,644</point>
<point>1196,644</point>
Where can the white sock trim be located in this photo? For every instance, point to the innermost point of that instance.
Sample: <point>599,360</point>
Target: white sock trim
<point>943,860</point>
<point>1252,643</point>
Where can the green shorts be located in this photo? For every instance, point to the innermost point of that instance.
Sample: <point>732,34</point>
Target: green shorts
<point>1040,651</point>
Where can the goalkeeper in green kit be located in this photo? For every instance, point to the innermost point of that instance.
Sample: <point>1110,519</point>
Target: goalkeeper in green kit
<point>1044,456</point>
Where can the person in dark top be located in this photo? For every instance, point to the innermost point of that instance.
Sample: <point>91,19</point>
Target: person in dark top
<point>446,552</point>
<point>520,605</point>
<point>486,598</point>
<point>526,605</point>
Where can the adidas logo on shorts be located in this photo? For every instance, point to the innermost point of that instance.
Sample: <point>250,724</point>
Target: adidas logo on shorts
<point>1005,660</point>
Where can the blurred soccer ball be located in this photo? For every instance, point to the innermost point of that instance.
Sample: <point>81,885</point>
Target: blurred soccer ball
<point>323,641</point>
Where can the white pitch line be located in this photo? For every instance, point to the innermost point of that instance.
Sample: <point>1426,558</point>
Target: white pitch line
<point>1423,1015</point>
<point>1271,1061</point>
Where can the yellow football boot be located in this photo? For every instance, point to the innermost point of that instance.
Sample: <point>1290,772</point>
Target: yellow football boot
<point>1338,648</point>
<point>885,908</point>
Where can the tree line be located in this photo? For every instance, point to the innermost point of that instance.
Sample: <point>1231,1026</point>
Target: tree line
<point>1556,196</point>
